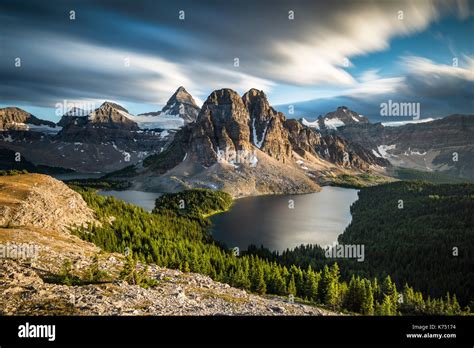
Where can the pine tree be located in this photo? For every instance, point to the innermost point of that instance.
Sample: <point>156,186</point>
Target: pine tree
<point>386,308</point>
<point>329,286</point>
<point>311,285</point>
<point>367,306</point>
<point>257,280</point>
<point>292,285</point>
<point>389,288</point>
<point>129,271</point>
<point>278,283</point>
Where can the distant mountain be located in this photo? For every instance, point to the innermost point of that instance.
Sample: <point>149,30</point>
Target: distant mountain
<point>444,145</point>
<point>13,118</point>
<point>244,146</point>
<point>108,115</point>
<point>371,108</point>
<point>237,143</point>
<point>180,109</point>
<point>182,104</point>
<point>332,120</point>
<point>102,140</point>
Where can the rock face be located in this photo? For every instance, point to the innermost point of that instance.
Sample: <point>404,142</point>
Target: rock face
<point>428,146</point>
<point>227,121</point>
<point>102,140</point>
<point>242,145</point>
<point>180,109</point>
<point>13,118</point>
<point>267,126</point>
<point>42,202</point>
<point>107,116</point>
<point>222,124</point>
<point>330,147</point>
<point>230,123</point>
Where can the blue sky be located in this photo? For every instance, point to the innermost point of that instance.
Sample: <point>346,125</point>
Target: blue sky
<point>83,61</point>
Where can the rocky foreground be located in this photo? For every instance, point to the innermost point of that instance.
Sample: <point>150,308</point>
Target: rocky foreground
<point>26,288</point>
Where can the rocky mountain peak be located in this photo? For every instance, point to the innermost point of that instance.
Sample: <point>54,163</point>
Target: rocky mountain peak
<point>222,125</point>
<point>14,118</point>
<point>181,96</point>
<point>181,104</point>
<point>224,96</point>
<point>108,106</point>
<point>256,101</point>
<point>75,111</point>
<point>108,122</point>
<point>343,116</point>
<point>266,124</point>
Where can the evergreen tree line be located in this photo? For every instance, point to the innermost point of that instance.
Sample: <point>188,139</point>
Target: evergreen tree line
<point>416,232</point>
<point>181,242</point>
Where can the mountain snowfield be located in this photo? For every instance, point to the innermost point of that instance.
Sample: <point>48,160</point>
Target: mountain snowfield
<point>402,123</point>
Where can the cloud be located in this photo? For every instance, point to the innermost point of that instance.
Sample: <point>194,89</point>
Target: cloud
<point>421,66</point>
<point>426,78</point>
<point>84,59</point>
<point>319,54</point>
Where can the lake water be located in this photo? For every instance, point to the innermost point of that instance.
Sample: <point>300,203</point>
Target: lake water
<point>317,218</point>
<point>146,200</point>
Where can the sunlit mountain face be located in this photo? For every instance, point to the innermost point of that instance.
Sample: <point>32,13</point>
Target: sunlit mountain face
<point>309,57</point>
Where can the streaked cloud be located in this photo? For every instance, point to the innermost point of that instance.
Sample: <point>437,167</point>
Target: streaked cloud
<point>320,50</point>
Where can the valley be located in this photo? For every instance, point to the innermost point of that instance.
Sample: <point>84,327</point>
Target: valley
<point>136,253</point>
<point>235,198</point>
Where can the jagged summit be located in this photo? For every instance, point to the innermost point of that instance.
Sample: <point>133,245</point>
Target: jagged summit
<point>243,145</point>
<point>180,109</point>
<point>181,104</point>
<point>111,105</point>
<point>229,122</point>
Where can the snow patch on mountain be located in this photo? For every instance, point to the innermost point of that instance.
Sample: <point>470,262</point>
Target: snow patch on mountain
<point>333,123</point>
<point>402,123</point>
<point>314,124</point>
<point>43,128</point>
<point>255,138</point>
<point>376,154</point>
<point>382,149</point>
<point>417,153</point>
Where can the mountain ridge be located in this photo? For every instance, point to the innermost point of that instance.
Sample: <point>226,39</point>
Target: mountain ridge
<point>237,137</point>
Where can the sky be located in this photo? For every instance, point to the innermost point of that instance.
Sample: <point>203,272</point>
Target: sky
<point>311,53</point>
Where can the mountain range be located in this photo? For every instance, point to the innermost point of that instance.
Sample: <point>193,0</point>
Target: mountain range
<point>240,144</point>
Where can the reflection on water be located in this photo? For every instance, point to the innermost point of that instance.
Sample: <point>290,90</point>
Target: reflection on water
<point>317,218</point>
